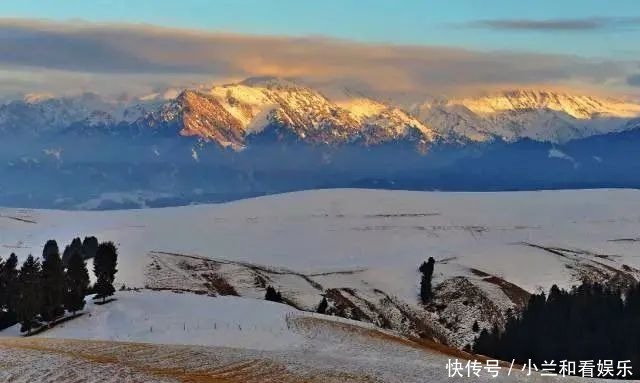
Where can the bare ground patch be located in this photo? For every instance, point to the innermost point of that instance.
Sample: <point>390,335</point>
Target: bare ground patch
<point>173,363</point>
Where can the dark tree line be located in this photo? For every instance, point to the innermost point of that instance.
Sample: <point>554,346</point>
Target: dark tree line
<point>8,284</point>
<point>589,322</point>
<point>42,290</point>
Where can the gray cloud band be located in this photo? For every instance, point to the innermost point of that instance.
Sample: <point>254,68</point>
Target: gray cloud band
<point>559,25</point>
<point>155,53</point>
<point>634,80</point>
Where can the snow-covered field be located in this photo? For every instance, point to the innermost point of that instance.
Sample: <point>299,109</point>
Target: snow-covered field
<point>487,245</point>
<point>188,319</point>
<point>252,342</point>
<point>361,245</point>
<point>235,331</point>
<point>387,232</point>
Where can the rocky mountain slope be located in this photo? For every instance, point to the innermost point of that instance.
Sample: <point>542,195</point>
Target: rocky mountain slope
<point>41,114</point>
<point>228,114</point>
<point>538,115</point>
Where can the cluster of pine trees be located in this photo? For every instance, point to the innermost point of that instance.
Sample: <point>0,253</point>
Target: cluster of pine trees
<point>88,248</point>
<point>42,290</point>
<point>589,322</point>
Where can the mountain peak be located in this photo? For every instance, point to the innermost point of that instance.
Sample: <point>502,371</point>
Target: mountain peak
<point>574,105</point>
<point>228,114</point>
<point>34,98</point>
<point>541,115</point>
<point>270,82</point>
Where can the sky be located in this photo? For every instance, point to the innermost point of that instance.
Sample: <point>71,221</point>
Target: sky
<point>418,38</point>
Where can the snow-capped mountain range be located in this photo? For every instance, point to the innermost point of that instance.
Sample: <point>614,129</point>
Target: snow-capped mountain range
<point>538,115</point>
<point>267,135</point>
<point>229,114</point>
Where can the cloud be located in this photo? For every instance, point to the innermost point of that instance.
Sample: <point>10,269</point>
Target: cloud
<point>47,56</point>
<point>634,80</point>
<point>558,25</point>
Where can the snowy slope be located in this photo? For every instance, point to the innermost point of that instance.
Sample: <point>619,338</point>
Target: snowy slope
<point>227,114</point>
<point>188,319</point>
<point>183,337</point>
<point>41,114</point>
<point>535,114</point>
<point>313,349</point>
<point>337,229</point>
<point>577,106</point>
<point>361,248</point>
<point>234,339</point>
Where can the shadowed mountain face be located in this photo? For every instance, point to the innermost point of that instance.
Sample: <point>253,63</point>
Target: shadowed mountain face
<point>266,136</point>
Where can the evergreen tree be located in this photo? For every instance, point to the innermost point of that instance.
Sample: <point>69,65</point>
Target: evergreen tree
<point>89,247</point>
<point>425,289</point>
<point>104,268</point>
<point>52,283</point>
<point>3,293</point>
<point>590,322</point>
<point>50,248</point>
<point>425,283</point>
<point>75,246</point>
<point>323,306</point>
<point>29,295</point>
<point>76,283</point>
<point>8,291</point>
<point>2,285</point>
<point>273,295</point>
<point>481,345</point>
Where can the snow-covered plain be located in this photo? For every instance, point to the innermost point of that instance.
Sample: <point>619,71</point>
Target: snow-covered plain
<point>388,233</point>
<point>372,239</point>
<point>366,241</point>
